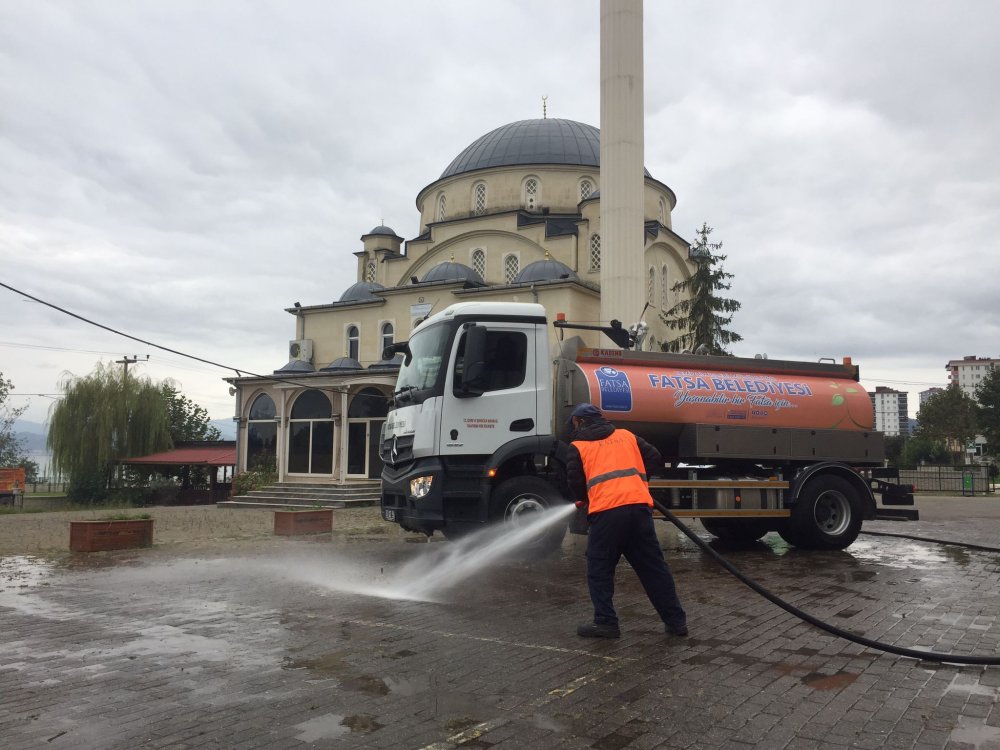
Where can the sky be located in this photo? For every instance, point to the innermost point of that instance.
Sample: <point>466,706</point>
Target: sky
<point>184,171</point>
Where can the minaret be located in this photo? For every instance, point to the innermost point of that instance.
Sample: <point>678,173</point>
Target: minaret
<point>622,183</point>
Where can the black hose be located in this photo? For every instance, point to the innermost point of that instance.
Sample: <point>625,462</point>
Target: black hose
<point>966,545</point>
<point>815,621</point>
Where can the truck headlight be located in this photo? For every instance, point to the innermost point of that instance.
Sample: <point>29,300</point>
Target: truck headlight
<point>421,486</point>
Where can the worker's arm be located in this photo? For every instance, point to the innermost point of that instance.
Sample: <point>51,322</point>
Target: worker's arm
<point>651,458</point>
<point>576,479</point>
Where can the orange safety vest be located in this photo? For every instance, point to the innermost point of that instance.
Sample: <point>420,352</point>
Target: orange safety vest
<point>614,470</point>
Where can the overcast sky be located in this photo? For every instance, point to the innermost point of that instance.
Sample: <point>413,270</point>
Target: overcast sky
<point>183,171</point>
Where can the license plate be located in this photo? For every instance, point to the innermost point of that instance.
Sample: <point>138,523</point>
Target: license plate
<point>388,514</point>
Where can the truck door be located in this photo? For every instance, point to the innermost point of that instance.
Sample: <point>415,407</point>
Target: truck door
<point>506,407</point>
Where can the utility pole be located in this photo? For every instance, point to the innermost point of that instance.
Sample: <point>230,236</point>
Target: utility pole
<point>125,362</point>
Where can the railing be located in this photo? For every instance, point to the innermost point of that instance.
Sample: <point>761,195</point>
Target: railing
<point>973,479</point>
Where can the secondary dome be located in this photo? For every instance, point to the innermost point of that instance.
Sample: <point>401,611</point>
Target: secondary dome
<point>545,141</point>
<point>382,229</point>
<point>360,291</point>
<point>452,271</point>
<point>545,270</point>
<point>342,363</point>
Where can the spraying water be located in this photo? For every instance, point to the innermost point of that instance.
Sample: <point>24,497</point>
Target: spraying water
<point>441,566</point>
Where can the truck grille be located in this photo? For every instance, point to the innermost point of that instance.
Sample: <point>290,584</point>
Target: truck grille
<point>397,450</point>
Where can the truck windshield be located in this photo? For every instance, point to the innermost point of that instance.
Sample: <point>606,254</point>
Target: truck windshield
<point>428,350</point>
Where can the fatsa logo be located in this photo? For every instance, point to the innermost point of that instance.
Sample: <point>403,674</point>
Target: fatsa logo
<point>616,391</point>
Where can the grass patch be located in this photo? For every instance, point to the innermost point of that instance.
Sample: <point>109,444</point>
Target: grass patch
<point>126,517</point>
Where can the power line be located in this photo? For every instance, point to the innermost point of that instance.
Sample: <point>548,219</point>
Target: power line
<point>239,372</point>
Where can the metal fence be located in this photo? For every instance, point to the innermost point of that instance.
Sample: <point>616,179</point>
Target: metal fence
<point>44,487</point>
<point>969,480</point>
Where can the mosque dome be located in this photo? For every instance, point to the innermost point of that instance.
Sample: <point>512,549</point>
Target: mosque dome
<point>545,141</point>
<point>297,365</point>
<point>452,271</point>
<point>545,270</point>
<point>342,363</point>
<point>360,291</point>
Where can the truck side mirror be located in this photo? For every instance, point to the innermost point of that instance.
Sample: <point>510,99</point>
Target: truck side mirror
<point>474,362</point>
<point>393,349</point>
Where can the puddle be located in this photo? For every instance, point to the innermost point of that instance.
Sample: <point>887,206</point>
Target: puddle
<point>975,733</point>
<point>967,685</point>
<point>22,572</point>
<point>903,555</point>
<point>324,727</point>
<point>825,682</point>
<point>334,666</point>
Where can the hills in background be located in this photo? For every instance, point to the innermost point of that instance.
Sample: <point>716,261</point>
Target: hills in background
<point>33,434</point>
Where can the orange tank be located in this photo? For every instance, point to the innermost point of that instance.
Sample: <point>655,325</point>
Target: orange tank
<point>661,391</point>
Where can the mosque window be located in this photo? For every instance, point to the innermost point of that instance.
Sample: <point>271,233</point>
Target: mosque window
<point>510,268</point>
<point>479,261</point>
<point>532,188</point>
<point>388,336</point>
<point>370,272</point>
<point>595,252</point>
<point>353,342</point>
<point>663,212</point>
<point>651,286</point>
<point>586,188</point>
<point>664,288</point>
<point>479,199</point>
<point>442,205</point>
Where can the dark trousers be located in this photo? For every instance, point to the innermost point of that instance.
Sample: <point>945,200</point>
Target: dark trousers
<point>628,530</point>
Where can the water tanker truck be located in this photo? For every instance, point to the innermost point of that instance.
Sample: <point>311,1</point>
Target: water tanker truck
<point>474,433</point>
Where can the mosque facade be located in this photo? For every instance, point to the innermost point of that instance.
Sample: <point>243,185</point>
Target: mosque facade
<point>514,217</point>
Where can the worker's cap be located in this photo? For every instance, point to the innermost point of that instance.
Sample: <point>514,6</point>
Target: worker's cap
<point>584,411</point>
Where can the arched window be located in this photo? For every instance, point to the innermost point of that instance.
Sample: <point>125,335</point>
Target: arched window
<point>310,434</point>
<point>651,286</point>
<point>370,271</point>
<point>595,252</point>
<point>262,433</point>
<point>663,212</point>
<point>479,199</point>
<point>586,188</point>
<point>387,336</point>
<point>532,190</point>
<point>664,288</point>
<point>510,268</point>
<point>479,261</point>
<point>442,205</point>
<point>353,342</point>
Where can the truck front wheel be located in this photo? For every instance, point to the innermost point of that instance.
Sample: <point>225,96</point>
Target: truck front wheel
<point>518,502</point>
<point>827,515</point>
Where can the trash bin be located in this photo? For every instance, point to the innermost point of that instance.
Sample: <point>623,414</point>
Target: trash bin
<point>968,484</point>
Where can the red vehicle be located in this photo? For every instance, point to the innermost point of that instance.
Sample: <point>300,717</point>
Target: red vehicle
<point>12,486</point>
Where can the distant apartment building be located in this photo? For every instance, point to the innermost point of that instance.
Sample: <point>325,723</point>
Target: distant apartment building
<point>929,393</point>
<point>890,407</point>
<point>968,372</point>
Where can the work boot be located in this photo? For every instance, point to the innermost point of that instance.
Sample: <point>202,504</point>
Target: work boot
<point>597,630</point>
<point>680,631</point>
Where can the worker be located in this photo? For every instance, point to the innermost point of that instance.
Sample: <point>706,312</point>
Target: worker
<point>607,469</point>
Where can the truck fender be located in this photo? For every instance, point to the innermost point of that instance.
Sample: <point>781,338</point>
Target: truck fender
<point>840,470</point>
<point>543,445</point>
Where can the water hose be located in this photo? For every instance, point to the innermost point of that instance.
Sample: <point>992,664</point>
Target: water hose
<point>815,621</point>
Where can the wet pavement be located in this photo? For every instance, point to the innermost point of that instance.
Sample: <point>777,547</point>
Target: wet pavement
<point>287,644</point>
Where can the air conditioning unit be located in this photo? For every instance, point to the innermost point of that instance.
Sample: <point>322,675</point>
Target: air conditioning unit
<point>301,350</point>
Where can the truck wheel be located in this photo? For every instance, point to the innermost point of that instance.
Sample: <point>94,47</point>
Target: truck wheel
<point>736,530</point>
<point>827,515</point>
<point>518,501</point>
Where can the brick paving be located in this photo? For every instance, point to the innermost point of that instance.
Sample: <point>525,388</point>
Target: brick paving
<point>258,643</point>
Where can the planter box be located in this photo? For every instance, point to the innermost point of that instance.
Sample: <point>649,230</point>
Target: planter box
<point>296,522</point>
<point>98,536</point>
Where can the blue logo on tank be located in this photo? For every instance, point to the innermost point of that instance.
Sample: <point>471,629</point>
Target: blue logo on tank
<point>616,391</point>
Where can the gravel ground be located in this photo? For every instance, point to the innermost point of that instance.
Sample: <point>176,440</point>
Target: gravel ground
<point>176,526</point>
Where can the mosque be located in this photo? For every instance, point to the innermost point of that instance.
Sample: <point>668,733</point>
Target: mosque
<point>515,216</point>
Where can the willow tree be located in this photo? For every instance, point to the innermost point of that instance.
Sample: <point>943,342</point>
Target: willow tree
<point>702,317</point>
<point>103,417</point>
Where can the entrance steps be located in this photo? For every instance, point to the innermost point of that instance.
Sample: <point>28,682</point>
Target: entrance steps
<point>299,496</point>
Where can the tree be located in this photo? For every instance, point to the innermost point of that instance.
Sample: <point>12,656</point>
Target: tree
<point>188,421</point>
<point>11,449</point>
<point>988,412</point>
<point>949,417</point>
<point>922,449</point>
<point>702,317</point>
<point>103,417</point>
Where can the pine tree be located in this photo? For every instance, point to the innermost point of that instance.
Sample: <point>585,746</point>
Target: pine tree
<point>702,317</point>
